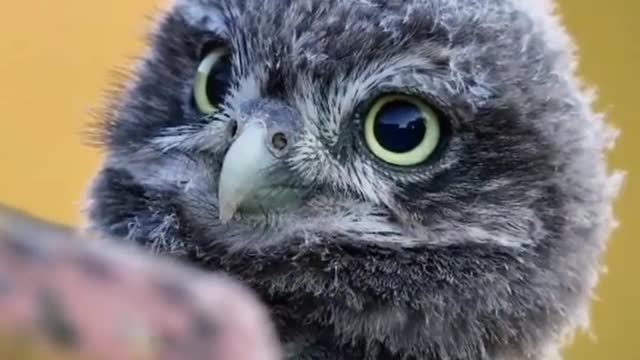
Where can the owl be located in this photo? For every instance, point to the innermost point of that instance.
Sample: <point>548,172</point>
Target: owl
<point>417,179</point>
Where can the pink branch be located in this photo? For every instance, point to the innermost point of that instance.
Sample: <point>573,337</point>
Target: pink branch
<point>94,299</point>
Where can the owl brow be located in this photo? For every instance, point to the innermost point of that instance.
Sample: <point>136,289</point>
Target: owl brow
<point>361,84</point>
<point>202,17</point>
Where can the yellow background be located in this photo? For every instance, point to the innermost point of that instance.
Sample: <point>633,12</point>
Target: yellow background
<point>57,57</point>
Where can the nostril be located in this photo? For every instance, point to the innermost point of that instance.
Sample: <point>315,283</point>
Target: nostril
<point>233,128</point>
<point>279,141</point>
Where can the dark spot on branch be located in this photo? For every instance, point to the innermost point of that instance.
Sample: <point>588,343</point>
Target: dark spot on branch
<point>26,250</point>
<point>203,330</point>
<point>6,287</point>
<point>54,321</point>
<point>172,291</point>
<point>95,266</point>
<point>203,327</point>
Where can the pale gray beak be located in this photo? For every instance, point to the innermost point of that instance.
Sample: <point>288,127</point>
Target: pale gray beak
<point>253,179</point>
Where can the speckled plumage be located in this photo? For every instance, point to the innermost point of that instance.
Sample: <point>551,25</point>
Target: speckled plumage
<point>490,250</point>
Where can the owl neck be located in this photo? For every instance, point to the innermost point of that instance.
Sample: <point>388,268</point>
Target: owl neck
<point>373,302</point>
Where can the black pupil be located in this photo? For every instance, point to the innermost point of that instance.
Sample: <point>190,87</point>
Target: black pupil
<point>218,80</point>
<point>400,126</point>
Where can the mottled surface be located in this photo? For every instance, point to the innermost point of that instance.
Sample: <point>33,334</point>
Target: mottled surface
<point>62,297</point>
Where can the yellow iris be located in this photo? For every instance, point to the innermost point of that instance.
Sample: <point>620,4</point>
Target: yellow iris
<point>201,84</point>
<point>422,139</point>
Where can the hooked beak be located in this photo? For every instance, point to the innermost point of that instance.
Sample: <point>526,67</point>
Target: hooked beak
<point>252,179</point>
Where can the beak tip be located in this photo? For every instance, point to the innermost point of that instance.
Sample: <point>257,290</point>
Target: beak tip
<point>226,213</point>
<point>224,219</point>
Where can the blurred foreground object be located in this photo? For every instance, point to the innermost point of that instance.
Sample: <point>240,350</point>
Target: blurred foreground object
<point>63,297</point>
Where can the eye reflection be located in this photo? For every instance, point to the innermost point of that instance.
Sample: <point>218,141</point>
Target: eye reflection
<point>400,126</point>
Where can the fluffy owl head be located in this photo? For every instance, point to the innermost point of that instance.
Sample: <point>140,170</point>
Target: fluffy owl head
<point>426,176</point>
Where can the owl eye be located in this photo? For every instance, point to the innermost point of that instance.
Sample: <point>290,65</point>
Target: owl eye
<point>212,80</point>
<point>402,130</point>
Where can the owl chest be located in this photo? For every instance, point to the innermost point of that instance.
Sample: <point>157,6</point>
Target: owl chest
<point>321,332</point>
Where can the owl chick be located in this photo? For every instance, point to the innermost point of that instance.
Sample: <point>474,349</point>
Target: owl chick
<point>418,179</point>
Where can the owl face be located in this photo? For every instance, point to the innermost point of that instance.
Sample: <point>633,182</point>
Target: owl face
<point>449,131</point>
<point>402,123</point>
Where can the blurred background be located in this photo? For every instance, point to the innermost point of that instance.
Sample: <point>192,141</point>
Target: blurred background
<point>57,59</point>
